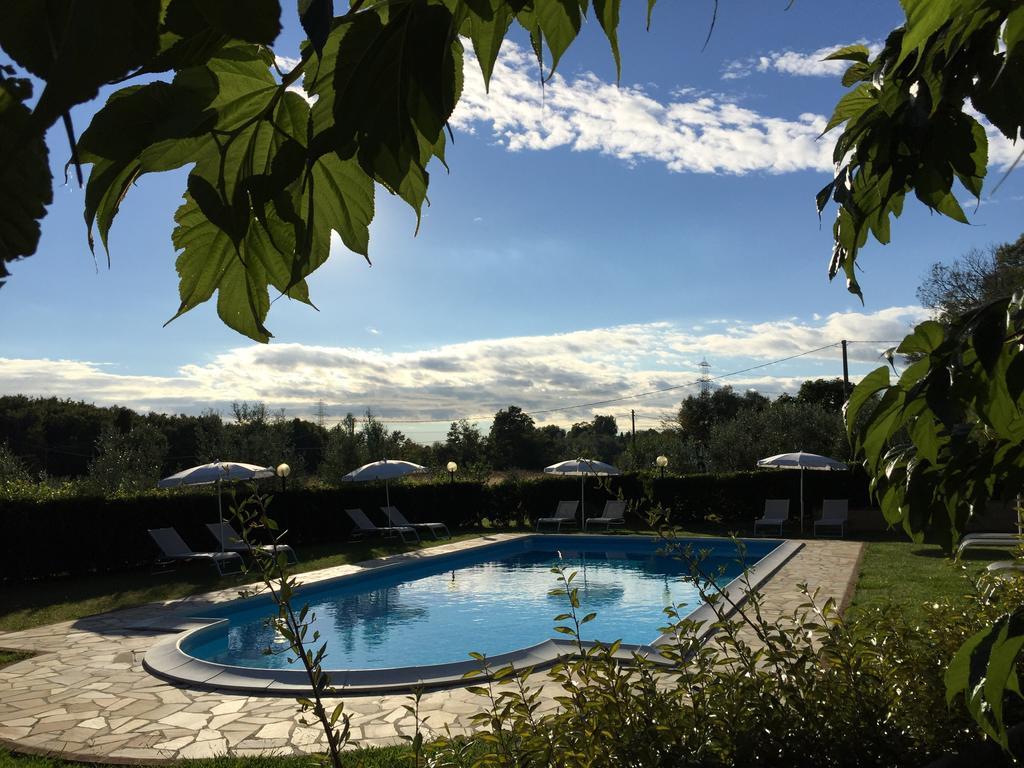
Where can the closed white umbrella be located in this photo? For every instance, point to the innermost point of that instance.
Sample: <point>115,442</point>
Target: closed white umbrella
<point>582,467</point>
<point>802,461</point>
<point>217,472</point>
<point>385,469</point>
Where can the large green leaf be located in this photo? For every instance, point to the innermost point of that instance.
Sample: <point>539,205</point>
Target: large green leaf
<point>984,669</point>
<point>240,271</point>
<point>25,181</point>
<point>607,12</point>
<point>489,21</point>
<point>77,47</point>
<point>559,22</point>
<point>851,106</point>
<point>396,83</point>
<point>120,140</point>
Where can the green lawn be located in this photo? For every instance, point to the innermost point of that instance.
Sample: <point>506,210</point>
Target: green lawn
<point>9,657</point>
<point>49,601</point>
<point>907,575</point>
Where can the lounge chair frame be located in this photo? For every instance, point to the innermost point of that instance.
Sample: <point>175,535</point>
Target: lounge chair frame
<point>834,514</point>
<point>565,514</point>
<point>364,526</point>
<point>229,539</point>
<point>989,541</point>
<point>613,514</point>
<point>776,515</point>
<point>395,516</point>
<point>174,550</point>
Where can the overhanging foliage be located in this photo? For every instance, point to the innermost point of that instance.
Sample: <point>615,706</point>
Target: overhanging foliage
<point>272,174</point>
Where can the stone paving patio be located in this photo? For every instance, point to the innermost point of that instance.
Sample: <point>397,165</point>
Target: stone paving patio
<point>86,695</point>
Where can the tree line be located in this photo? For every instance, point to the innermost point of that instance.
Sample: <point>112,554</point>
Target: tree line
<point>116,449</point>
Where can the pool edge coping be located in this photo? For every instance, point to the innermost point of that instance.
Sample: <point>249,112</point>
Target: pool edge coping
<point>167,661</point>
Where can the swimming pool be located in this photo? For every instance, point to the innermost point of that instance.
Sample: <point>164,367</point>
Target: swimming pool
<point>420,620</point>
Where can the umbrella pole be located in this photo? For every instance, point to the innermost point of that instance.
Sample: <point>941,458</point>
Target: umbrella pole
<point>801,500</point>
<point>583,506</point>
<point>220,515</point>
<point>387,497</point>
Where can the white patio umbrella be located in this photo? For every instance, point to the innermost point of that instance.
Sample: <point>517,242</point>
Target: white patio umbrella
<point>217,472</point>
<point>802,461</point>
<point>582,467</point>
<point>385,469</point>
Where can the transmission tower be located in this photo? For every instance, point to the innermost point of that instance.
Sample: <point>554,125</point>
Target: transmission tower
<point>321,413</point>
<point>704,382</point>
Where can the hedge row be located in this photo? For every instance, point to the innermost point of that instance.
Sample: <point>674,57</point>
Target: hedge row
<point>85,535</point>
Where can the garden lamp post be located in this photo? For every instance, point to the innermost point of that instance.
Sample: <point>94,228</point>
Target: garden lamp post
<point>662,462</point>
<point>452,469</point>
<point>282,471</point>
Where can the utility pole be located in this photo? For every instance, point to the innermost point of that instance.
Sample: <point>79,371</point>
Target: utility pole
<point>632,416</point>
<point>846,373</point>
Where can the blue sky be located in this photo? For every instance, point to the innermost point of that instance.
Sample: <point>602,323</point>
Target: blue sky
<point>592,241</point>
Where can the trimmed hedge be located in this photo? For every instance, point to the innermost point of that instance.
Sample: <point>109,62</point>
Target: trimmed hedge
<point>75,536</point>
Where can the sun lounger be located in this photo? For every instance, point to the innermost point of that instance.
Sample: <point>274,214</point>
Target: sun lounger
<point>564,515</point>
<point>397,518</point>
<point>776,514</point>
<point>833,515</point>
<point>612,515</point>
<point>364,527</point>
<point>229,540</point>
<point>173,549</point>
<point>989,541</point>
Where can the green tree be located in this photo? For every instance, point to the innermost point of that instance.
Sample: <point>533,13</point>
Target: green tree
<point>551,445</point>
<point>128,461</point>
<point>754,433</point>
<point>597,439</point>
<point>343,451</point>
<point>512,440</point>
<point>976,278</point>
<point>828,393</point>
<point>256,436</point>
<point>463,444</point>
<point>697,417</point>
<point>378,441</point>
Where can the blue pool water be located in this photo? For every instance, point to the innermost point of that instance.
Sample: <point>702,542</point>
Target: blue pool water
<point>490,600</point>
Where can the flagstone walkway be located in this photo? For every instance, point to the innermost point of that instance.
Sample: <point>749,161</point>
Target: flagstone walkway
<point>87,696</point>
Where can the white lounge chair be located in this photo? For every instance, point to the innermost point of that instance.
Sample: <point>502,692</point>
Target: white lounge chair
<point>173,549</point>
<point>564,515</point>
<point>834,513</point>
<point>397,518</point>
<point>776,514</point>
<point>611,515</point>
<point>365,526</point>
<point>230,541</point>
<point>989,541</point>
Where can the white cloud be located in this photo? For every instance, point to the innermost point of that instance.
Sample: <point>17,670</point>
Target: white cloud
<point>794,63</point>
<point>287,63</point>
<point>689,133</point>
<point>474,379</point>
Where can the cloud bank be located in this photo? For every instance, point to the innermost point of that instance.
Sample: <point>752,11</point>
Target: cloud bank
<point>474,379</point>
<point>690,133</point>
<point>795,63</point>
